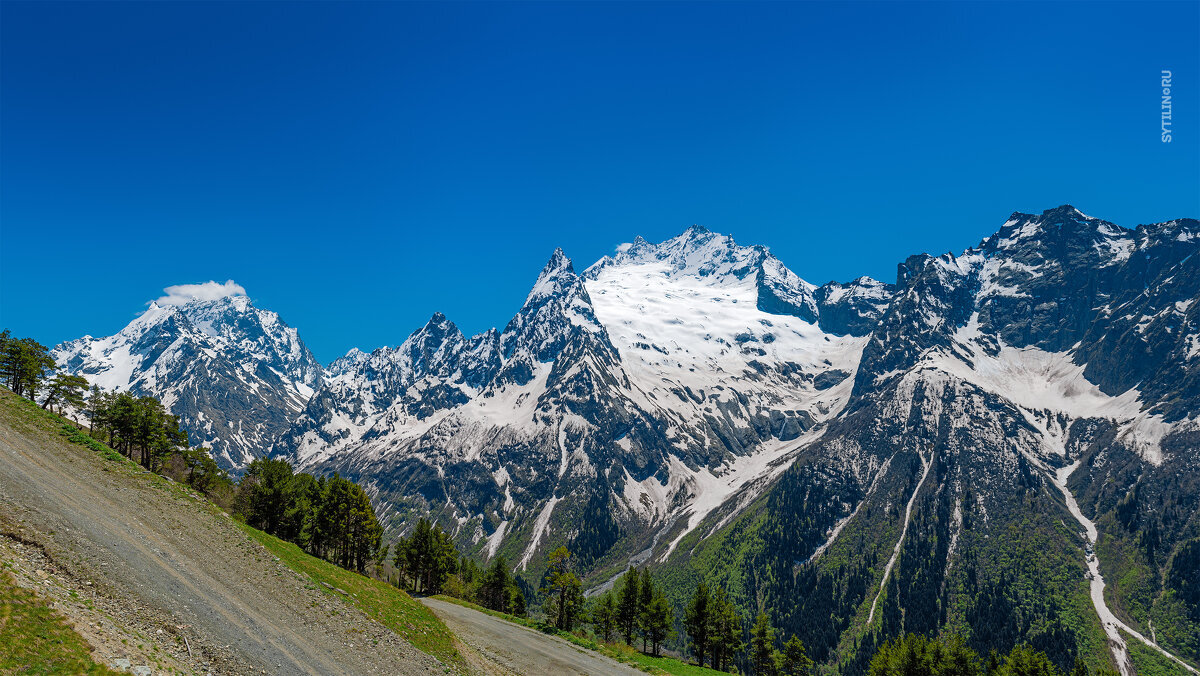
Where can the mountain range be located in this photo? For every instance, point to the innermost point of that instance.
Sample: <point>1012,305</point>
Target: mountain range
<point>1001,444</point>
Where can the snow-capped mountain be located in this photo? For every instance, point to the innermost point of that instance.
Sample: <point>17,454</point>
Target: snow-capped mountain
<point>868,452</point>
<point>1002,444</point>
<point>653,385</point>
<point>236,376</point>
<point>1022,432</point>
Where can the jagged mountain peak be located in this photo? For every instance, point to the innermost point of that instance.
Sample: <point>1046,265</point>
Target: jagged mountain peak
<point>1050,235</point>
<point>557,278</point>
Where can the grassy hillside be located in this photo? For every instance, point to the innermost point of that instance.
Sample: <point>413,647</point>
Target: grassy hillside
<point>37,640</point>
<point>391,607</point>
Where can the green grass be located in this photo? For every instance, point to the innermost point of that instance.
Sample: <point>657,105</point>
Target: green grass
<point>24,413</point>
<point>617,651</point>
<point>389,606</point>
<point>36,639</point>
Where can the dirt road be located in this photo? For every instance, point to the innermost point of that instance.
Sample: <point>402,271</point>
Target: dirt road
<point>161,566</point>
<point>520,650</point>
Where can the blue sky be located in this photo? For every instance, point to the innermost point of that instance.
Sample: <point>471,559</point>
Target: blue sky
<point>358,166</point>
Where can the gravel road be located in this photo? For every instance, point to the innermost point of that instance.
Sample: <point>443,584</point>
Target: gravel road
<point>520,650</point>
<point>161,565</point>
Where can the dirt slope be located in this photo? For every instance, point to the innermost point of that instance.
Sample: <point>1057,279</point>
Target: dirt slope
<point>155,566</point>
<point>520,650</point>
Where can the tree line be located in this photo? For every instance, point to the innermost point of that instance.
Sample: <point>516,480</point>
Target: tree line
<point>638,610</point>
<point>428,562</point>
<point>329,517</point>
<point>918,654</point>
<point>139,428</point>
<point>715,632</point>
<point>29,370</point>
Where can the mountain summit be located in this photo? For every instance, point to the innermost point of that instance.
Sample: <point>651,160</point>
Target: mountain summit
<point>236,375</point>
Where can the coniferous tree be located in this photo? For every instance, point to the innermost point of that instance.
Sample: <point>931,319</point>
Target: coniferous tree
<point>96,403</point>
<point>696,622</point>
<point>495,591</point>
<point>762,646</point>
<point>1025,661</point>
<point>660,622</point>
<point>627,604</point>
<point>645,598</point>
<point>563,589</point>
<point>516,601</point>
<point>725,630</point>
<point>917,654</point>
<point>65,390</point>
<point>24,364</point>
<point>604,617</point>
<point>268,486</point>
<point>794,660</point>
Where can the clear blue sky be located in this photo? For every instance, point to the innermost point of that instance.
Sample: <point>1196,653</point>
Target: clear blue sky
<point>359,166</point>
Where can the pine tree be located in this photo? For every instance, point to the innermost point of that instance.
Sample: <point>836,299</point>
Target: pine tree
<point>645,598</point>
<point>516,601</point>
<point>627,604</point>
<point>1025,661</point>
<point>762,646</point>
<point>696,622</point>
<point>794,660</point>
<point>563,588</point>
<point>24,363</point>
<point>494,591</point>
<point>660,622</point>
<point>604,617</point>
<point>725,630</point>
<point>65,390</point>
<point>914,653</point>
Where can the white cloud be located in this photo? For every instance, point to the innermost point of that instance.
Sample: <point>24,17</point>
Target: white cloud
<point>210,290</point>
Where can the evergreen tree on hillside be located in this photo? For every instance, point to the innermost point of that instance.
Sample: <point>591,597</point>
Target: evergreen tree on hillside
<point>627,604</point>
<point>516,601</point>
<point>97,402</point>
<point>762,646</point>
<point>496,590</point>
<point>917,654</point>
<point>724,630</point>
<point>365,532</point>
<point>24,364</point>
<point>563,589</point>
<point>604,617</point>
<point>794,660</point>
<point>645,598</point>
<point>659,622</point>
<point>429,557</point>
<point>141,429</point>
<point>1025,661</point>
<point>65,390</point>
<point>203,473</point>
<point>696,622</point>
<point>267,487</point>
